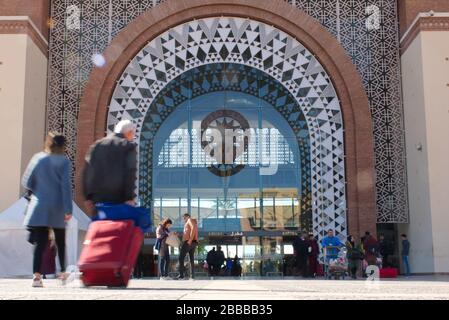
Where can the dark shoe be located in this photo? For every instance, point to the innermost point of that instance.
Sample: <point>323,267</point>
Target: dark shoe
<point>179,277</point>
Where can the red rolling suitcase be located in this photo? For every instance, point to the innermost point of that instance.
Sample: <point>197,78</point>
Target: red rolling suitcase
<point>388,273</point>
<point>110,253</point>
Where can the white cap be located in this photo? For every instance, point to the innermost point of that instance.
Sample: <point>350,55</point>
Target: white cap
<point>124,126</point>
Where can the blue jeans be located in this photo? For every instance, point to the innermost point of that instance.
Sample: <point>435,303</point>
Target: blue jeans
<point>406,265</point>
<point>164,261</point>
<point>164,264</point>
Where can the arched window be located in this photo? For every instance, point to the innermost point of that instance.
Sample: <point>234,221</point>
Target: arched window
<point>229,158</point>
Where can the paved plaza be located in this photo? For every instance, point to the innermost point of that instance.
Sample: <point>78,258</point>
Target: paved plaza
<point>419,287</point>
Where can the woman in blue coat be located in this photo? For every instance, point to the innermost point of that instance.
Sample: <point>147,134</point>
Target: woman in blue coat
<point>47,178</point>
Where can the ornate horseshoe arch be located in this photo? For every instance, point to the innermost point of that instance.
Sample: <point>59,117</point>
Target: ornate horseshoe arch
<point>263,47</point>
<point>329,96</point>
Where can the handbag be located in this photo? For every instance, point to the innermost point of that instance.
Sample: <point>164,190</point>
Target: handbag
<point>32,236</point>
<point>173,240</point>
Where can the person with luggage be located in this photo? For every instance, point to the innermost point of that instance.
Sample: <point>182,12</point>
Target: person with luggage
<point>404,253</point>
<point>162,233</point>
<point>109,174</point>
<point>329,245</point>
<point>189,244</point>
<point>211,259</point>
<point>47,178</point>
<point>354,256</point>
<point>108,182</point>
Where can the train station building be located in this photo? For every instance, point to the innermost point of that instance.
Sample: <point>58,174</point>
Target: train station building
<point>339,111</point>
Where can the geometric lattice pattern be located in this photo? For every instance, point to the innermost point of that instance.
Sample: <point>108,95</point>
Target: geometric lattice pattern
<point>374,52</point>
<point>225,77</point>
<point>262,47</point>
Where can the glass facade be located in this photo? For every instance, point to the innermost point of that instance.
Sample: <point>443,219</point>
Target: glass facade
<point>227,156</point>
<point>246,200</point>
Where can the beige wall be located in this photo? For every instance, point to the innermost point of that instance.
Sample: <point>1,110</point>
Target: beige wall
<point>22,109</point>
<point>419,230</point>
<point>436,80</point>
<point>35,103</point>
<point>426,108</point>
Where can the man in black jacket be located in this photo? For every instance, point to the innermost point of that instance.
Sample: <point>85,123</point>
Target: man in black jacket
<point>111,165</point>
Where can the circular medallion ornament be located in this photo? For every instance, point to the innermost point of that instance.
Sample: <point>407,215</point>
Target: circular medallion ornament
<point>224,138</point>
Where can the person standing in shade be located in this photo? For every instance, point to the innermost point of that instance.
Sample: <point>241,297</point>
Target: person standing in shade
<point>354,256</point>
<point>229,265</point>
<point>313,252</point>
<point>211,261</point>
<point>300,246</point>
<point>189,244</point>
<point>405,253</point>
<point>47,178</point>
<point>220,261</point>
<point>371,249</point>
<point>236,270</point>
<point>384,250</point>
<point>110,170</point>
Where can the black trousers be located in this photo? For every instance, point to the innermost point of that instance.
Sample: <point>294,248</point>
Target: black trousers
<point>302,265</point>
<point>138,268</point>
<point>182,255</point>
<point>41,238</point>
<point>353,272</point>
<point>164,263</point>
<point>216,269</point>
<point>210,269</point>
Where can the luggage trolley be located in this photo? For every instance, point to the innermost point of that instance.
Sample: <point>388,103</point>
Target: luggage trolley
<point>335,262</point>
